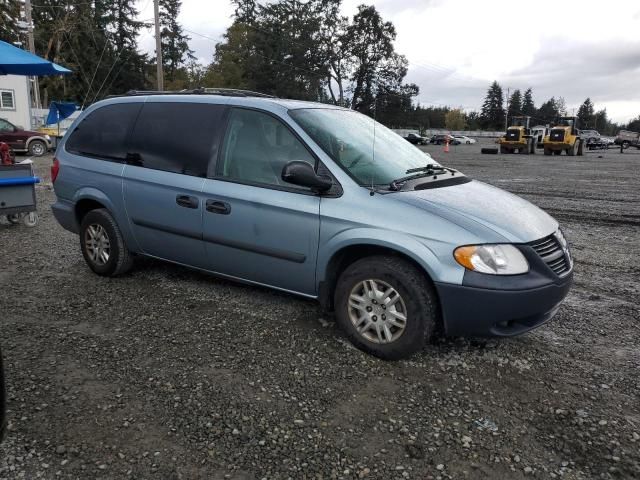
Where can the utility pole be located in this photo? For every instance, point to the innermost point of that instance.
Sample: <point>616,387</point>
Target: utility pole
<point>32,49</point>
<point>506,112</point>
<point>159,72</point>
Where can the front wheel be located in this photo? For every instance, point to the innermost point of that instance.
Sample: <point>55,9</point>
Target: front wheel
<point>386,307</point>
<point>102,244</point>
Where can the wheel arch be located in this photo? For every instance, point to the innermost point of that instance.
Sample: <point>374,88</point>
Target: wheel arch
<point>347,254</point>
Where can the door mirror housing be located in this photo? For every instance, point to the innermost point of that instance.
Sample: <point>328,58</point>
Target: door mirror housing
<point>302,174</point>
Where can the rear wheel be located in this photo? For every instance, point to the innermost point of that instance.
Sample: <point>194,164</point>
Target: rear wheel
<point>547,151</point>
<point>102,244</point>
<point>571,151</point>
<point>503,149</point>
<point>386,306</point>
<point>581,148</point>
<point>37,148</point>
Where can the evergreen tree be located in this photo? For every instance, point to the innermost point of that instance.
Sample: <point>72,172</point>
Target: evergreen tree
<point>586,114</point>
<point>492,112</point>
<point>515,104</point>
<point>548,111</point>
<point>175,46</point>
<point>9,17</point>
<point>528,107</point>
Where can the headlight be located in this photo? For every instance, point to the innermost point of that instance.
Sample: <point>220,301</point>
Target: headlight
<point>47,137</point>
<point>492,259</point>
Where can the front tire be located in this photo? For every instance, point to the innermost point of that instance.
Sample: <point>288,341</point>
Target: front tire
<point>102,244</point>
<point>386,307</point>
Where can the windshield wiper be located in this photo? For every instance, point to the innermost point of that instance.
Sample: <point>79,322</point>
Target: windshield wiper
<point>427,170</point>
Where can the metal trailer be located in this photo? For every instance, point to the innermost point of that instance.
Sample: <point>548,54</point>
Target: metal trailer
<point>18,193</point>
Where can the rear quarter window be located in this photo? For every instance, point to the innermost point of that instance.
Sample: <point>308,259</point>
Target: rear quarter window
<point>103,133</point>
<point>177,137</point>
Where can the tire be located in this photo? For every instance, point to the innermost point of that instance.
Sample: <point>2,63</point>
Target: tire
<point>557,152</point>
<point>574,148</point>
<point>503,150</point>
<point>489,150</point>
<point>37,148</point>
<point>119,259</point>
<point>547,151</point>
<point>14,218</point>
<point>625,145</point>
<point>416,300</point>
<point>581,149</point>
<point>30,219</point>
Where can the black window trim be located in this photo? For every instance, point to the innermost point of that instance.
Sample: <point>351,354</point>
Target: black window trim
<point>218,163</point>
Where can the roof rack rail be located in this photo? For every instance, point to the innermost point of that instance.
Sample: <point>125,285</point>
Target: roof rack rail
<point>228,92</point>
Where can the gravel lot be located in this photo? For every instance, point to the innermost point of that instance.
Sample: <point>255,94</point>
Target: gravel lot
<point>169,373</point>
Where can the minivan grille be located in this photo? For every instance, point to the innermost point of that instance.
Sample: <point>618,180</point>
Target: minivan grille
<point>557,135</point>
<point>554,252</point>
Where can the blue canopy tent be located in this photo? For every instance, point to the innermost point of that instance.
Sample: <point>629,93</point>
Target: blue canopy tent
<point>15,61</point>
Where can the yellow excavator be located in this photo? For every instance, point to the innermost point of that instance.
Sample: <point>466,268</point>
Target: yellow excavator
<point>564,136</point>
<point>518,137</point>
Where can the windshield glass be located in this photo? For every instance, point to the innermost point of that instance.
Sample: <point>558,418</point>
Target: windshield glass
<point>348,138</point>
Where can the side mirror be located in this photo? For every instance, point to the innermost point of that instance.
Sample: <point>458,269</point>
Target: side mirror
<point>302,173</point>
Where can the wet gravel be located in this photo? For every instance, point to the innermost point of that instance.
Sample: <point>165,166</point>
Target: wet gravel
<point>173,374</point>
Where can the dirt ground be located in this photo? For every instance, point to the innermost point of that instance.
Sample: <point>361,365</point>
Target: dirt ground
<point>172,374</point>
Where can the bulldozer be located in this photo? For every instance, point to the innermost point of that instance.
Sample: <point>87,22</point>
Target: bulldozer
<point>518,137</point>
<point>564,136</point>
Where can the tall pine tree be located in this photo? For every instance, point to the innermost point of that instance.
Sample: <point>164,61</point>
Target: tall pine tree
<point>492,112</point>
<point>175,47</point>
<point>9,17</point>
<point>528,107</point>
<point>515,104</point>
<point>586,114</point>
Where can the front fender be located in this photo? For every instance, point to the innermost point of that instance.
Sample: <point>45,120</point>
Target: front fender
<point>403,243</point>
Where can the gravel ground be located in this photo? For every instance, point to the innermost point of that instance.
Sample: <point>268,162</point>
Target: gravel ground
<point>169,373</point>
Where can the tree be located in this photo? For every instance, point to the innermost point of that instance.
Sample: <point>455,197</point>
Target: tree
<point>528,107</point>
<point>634,125</point>
<point>492,113</point>
<point>175,46</point>
<point>455,120</point>
<point>586,114</point>
<point>515,104</point>
<point>9,17</point>
<point>561,106</point>
<point>548,111</point>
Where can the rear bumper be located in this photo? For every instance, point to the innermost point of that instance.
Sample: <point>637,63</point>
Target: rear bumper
<point>471,311</point>
<point>65,215</point>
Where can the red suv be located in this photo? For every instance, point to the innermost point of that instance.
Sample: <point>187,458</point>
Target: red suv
<point>20,140</point>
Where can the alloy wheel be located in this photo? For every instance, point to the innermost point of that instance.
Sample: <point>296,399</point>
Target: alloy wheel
<point>97,244</point>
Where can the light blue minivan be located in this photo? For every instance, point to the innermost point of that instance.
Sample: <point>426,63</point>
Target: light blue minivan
<point>311,199</point>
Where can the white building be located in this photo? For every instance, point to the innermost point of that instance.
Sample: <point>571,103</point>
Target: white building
<point>14,100</point>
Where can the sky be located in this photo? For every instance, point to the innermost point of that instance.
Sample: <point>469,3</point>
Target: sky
<point>569,48</point>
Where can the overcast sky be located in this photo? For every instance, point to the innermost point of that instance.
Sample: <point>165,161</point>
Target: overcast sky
<point>570,48</point>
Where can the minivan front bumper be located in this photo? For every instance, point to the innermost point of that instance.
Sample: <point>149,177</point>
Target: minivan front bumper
<point>507,305</point>
<point>482,312</point>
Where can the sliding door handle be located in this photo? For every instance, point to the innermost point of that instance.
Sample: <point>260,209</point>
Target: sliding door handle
<point>216,206</point>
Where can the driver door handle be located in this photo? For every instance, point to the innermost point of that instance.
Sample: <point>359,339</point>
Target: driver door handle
<point>216,206</point>
<point>187,201</point>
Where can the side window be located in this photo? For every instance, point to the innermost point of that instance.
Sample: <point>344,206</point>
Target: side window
<point>5,126</point>
<point>103,133</point>
<point>177,137</point>
<point>256,148</point>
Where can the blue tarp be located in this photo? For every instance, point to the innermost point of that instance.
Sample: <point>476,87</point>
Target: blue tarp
<point>59,111</point>
<point>14,61</point>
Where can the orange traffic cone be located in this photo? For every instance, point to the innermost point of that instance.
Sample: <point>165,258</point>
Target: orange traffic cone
<point>446,146</point>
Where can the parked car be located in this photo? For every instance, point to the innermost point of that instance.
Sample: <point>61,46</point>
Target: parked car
<point>415,139</point>
<point>627,139</point>
<point>21,140</point>
<point>3,402</point>
<point>465,140</point>
<point>440,139</point>
<point>313,200</point>
<point>590,136</point>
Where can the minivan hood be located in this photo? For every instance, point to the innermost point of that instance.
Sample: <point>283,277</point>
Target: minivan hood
<point>483,209</point>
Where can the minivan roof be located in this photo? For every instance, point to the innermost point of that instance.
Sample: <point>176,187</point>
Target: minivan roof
<point>264,103</point>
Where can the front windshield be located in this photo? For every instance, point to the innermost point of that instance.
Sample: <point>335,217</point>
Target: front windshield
<point>348,138</point>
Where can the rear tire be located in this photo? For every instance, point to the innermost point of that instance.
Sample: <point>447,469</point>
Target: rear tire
<point>102,244</point>
<point>37,148</point>
<point>581,148</point>
<point>395,287</point>
<point>557,152</point>
<point>503,150</point>
<point>547,151</point>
